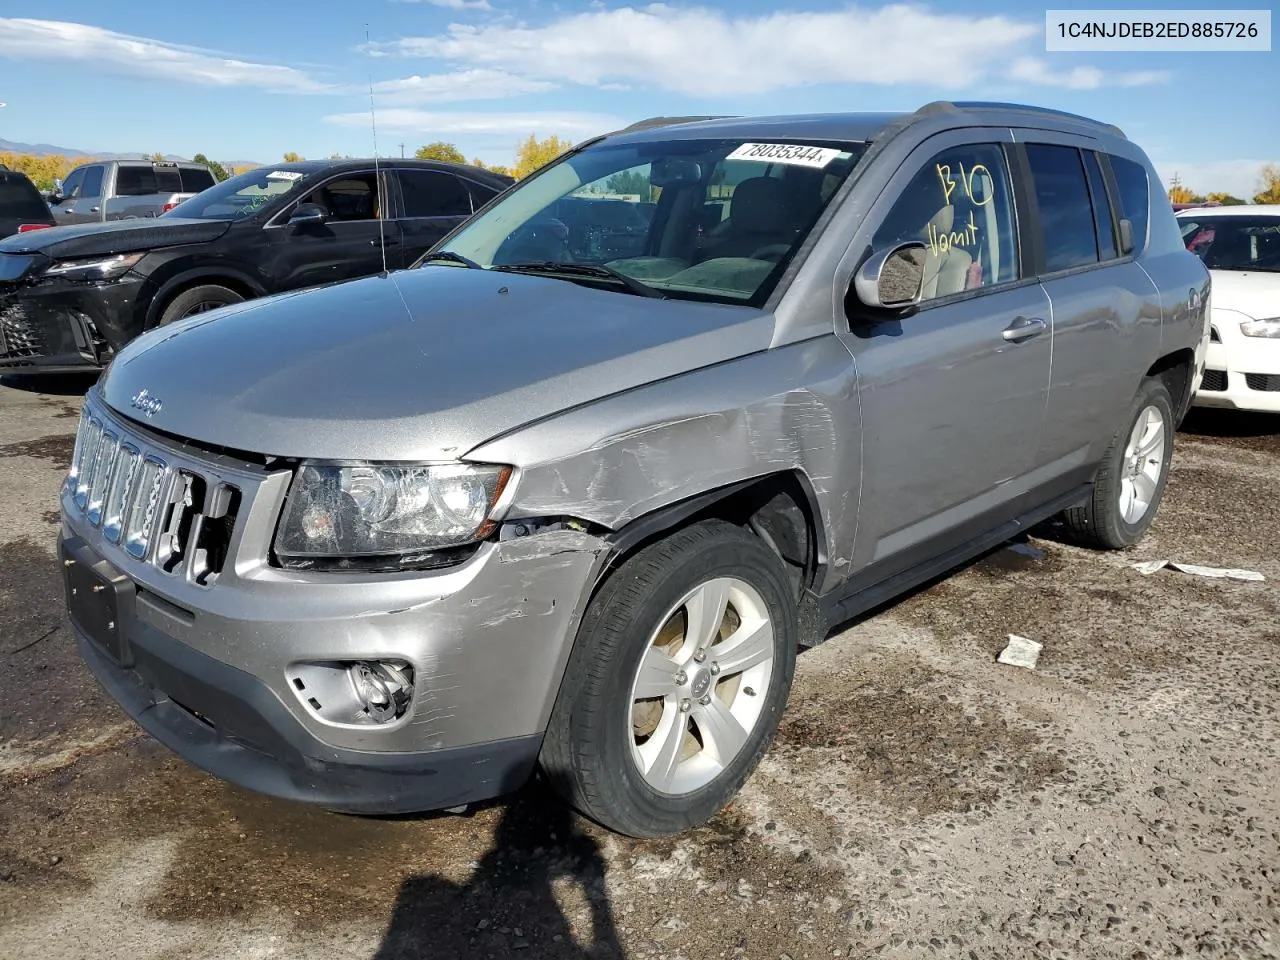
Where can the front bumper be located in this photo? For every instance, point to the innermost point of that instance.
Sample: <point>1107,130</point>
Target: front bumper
<point>57,326</point>
<point>206,668</point>
<point>1241,373</point>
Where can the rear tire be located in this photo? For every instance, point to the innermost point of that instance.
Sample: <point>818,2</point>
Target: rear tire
<point>207,296</point>
<point>677,680</point>
<point>1131,479</point>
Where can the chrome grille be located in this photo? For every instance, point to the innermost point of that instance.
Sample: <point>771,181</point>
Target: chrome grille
<point>154,509</point>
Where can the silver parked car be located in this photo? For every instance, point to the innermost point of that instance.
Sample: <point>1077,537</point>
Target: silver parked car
<point>127,189</point>
<point>562,494</point>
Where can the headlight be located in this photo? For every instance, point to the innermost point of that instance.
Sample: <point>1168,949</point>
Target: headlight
<point>1262,328</point>
<point>95,268</point>
<point>368,510</point>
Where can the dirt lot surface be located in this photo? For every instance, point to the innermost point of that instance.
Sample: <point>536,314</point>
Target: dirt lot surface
<point>1122,800</point>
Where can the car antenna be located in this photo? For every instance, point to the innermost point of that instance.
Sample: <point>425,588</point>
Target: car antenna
<point>377,173</point>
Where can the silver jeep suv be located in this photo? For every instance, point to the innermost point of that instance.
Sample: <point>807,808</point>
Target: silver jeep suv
<point>562,494</point>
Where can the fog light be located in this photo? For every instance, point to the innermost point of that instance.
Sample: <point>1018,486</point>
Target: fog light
<point>382,688</point>
<point>354,693</point>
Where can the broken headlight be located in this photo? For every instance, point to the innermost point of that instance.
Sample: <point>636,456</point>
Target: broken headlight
<point>370,510</point>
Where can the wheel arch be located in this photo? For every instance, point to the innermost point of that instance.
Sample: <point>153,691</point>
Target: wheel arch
<point>1177,370</point>
<point>224,276</point>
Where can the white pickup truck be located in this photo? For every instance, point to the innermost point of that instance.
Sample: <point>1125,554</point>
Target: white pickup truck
<point>126,189</point>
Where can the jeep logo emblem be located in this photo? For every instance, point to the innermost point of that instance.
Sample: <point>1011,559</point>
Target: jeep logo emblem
<point>147,403</point>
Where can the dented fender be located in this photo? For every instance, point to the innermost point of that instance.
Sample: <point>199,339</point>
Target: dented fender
<point>624,457</point>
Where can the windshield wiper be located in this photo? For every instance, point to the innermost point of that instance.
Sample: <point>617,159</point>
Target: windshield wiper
<point>596,271</point>
<point>450,257</point>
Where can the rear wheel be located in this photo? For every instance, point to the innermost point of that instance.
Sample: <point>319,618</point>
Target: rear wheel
<point>680,673</point>
<point>1131,480</point>
<point>207,296</point>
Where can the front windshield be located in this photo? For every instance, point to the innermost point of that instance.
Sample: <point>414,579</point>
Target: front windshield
<point>1234,242</point>
<point>689,219</point>
<point>240,196</point>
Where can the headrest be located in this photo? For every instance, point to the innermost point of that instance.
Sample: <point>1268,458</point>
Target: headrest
<point>761,205</point>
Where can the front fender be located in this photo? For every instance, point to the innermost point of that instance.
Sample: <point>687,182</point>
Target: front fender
<point>792,408</point>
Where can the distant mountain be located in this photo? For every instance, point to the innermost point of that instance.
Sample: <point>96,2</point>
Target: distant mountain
<point>49,149</point>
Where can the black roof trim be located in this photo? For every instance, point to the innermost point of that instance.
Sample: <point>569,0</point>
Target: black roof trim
<point>651,122</point>
<point>983,106</point>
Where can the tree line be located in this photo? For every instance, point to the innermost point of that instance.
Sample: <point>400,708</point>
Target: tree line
<point>1269,181</point>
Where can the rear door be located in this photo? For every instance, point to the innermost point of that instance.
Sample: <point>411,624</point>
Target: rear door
<point>433,202</point>
<point>1105,312</point>
<point>953,394</point>
<point>134,192</point>
<point>347,245</point>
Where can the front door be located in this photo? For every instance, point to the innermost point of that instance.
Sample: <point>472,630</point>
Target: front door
<point>64,210</point>
<point>347,245</point>
<point>952,396</point>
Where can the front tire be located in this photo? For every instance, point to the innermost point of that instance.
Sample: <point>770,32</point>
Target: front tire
<point>678,678</point>
<point>207,296</point>
<point>1132,477</point>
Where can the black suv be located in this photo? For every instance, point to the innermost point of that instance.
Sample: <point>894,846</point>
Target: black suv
<point>73,295</point>
<point>21,206</point>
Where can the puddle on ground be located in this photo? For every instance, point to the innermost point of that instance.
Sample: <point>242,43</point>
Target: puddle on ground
<point>56,449</point>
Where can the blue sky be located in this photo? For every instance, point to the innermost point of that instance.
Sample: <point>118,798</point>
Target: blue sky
<point>248,80</point>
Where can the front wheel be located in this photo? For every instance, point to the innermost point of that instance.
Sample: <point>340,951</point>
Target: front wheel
<point>1131,479</point>
<point>207,296</point>
<point>679,676</point>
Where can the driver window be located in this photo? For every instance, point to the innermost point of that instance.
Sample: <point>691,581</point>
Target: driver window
<point>350,198</point>
<point>71,185</point>
<point>959,206</point>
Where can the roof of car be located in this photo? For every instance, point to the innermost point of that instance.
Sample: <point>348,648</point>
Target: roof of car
<point>400,163</point>
<point>1235,210</point>
<point>860,127</point>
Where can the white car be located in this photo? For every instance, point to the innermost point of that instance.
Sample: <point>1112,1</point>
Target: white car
<point>1241,247</point>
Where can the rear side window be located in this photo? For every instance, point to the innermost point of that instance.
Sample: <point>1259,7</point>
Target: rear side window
<point>1135,199</point>
<point>19,200</point>
<point>1066,215</point>
<point>1101,208</point>
<point>135,181</point>
<point>480,194</point>
<point>431,193</point>
<point>195,179</point>
<point>960,206</point>
<point>92,182</point>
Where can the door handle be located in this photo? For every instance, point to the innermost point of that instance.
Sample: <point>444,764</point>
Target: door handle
<point>95,209</point>
<point>389,241</point>
<point>1024,328</point>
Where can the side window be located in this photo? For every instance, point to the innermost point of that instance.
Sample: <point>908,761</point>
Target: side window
<point>135,181</point>
<point>71,185</point>
<point>480,193</point>
<point>92,186</point>
<point>348,198</point>
<point>1066,216</point>
<point>1135,201</point>
<point>433,193</point>
<point>1101,208</point>
<point>960,206</point>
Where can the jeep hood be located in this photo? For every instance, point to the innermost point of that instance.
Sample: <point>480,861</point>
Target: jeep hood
<point>119,236</point>
<point>419,365</point>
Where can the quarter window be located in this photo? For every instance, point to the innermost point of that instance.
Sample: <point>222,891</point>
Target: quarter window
<point>1066,215</point>
<point>960,206</point>
<point>1101,208</point>
<point>1135,199</point>
<point>432,193</point>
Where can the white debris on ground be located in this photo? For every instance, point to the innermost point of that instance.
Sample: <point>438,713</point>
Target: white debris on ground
<point>1020,652</point>
<point>1148,567</point>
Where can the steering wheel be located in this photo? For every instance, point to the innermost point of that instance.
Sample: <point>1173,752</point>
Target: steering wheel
<point>542,239</point>
<point>772,251</point>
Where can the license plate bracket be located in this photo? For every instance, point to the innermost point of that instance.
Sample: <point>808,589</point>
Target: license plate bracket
<point>99,599</point>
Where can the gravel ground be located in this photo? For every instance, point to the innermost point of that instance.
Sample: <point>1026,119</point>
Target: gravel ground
<point>921,800</point>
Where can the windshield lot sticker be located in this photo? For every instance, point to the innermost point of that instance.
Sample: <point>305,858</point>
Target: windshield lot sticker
<point>793,153</point>
<point>284,175</point>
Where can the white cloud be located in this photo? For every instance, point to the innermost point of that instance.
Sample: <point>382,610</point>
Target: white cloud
<point>454,4</point>
<point>58,40</point>
<point>1031,70</point>
<point>482,125</point>
<point>705,52</point>
<point>477,84</point>
<point>1240,178</point>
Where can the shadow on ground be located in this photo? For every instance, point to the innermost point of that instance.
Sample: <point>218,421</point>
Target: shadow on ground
<point>52,384</point>
<point>540,887</point>
<point>1227,424</point>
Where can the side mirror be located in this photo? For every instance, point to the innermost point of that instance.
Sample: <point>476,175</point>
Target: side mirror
<point>308,214</point>
<point>55,192</point>
<point>892,279</point>
<point>1126,237</point>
